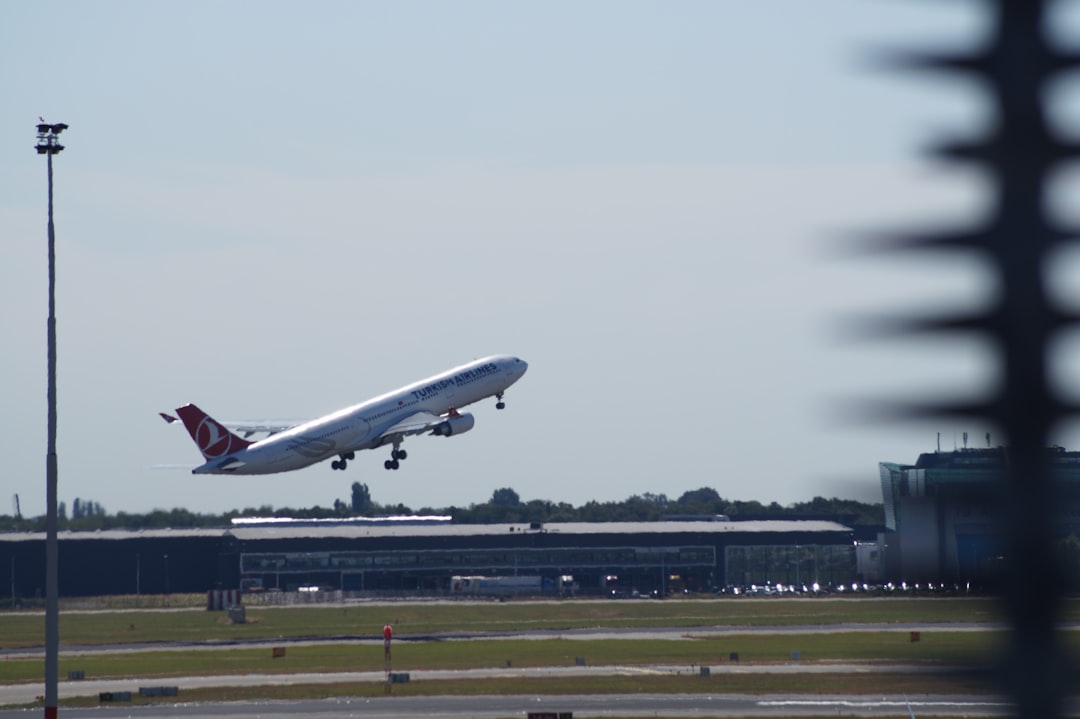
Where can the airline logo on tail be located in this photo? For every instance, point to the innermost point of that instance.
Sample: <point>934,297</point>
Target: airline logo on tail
<point>212,438</point>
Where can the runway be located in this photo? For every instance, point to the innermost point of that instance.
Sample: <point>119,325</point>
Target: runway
<point>631,705</point>
<point>674,706</point>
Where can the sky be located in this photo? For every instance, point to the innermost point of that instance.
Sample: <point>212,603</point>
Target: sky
<point>277,209</point>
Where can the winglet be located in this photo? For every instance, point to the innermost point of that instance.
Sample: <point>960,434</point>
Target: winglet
<point>168,417</point>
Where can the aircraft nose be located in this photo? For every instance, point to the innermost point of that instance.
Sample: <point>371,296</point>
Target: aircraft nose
<point>521,365</point>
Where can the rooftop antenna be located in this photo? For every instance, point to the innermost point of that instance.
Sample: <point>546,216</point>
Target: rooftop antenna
<point>15,502</point>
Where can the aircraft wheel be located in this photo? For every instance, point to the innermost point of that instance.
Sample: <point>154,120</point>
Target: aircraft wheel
<point>388,464</point>
<point>350,455</point>
<point>335,465</point>
<point>400,454</point>
<point>500,405</point>
<point>394,464</point>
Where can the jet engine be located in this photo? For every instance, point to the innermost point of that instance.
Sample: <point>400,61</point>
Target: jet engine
<point>455,424</point>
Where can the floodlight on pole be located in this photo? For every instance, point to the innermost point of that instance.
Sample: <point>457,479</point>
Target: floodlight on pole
<point>49,145</point>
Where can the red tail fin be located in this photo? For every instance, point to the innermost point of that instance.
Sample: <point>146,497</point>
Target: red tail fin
<point>211,436</point>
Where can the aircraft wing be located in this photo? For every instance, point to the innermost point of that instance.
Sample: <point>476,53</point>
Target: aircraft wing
<point>413,424</point>
<point>249,428</point>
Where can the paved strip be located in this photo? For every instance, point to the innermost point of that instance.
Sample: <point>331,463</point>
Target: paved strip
<point>25,693</point>
<point>607,705</point>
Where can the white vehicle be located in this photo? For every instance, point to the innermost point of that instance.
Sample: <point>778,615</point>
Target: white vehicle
<point>515,585</point>
<point>429,406</point>
<point>499,585</point>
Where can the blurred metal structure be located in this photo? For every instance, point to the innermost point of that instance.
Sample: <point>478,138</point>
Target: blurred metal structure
<point>1019,155</point>
<point>49,145</point>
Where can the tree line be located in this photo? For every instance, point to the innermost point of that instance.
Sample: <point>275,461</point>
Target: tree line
<point>504,507</point>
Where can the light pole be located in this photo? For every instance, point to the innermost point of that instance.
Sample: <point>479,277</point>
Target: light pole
<point>49,145</point>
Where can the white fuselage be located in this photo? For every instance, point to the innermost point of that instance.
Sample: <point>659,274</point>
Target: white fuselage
<point>365,425</point>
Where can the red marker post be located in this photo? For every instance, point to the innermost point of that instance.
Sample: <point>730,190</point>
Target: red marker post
<point>388,634</point>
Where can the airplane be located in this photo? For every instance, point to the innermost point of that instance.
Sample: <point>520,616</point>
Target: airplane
<point>430,406</point>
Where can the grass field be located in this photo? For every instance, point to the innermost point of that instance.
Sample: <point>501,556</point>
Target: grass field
<point>19,629</point>
<point>935,649</point>
<point>346,639</point>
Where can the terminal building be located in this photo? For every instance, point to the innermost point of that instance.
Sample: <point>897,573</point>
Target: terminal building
<point>942,518</point>
<point>425,558</point>
<point>940,526</point>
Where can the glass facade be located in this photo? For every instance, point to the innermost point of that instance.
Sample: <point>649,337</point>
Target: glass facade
<point>595,569</point>
<point>460,560</point>
<point>790,564</point>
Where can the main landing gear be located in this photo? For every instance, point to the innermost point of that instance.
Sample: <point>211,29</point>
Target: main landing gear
<point>343,461</point>
<point>396,456</point>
